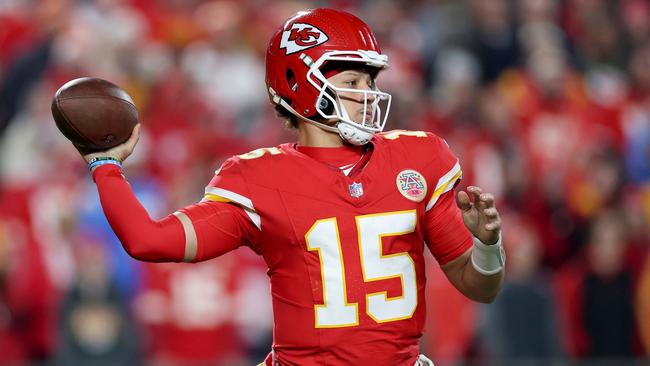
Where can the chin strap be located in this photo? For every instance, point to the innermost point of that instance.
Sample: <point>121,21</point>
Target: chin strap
<point>347,131</point>
<point>353,135</point>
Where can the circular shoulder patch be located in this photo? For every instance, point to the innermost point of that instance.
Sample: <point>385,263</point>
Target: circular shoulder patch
<point>412,185</point>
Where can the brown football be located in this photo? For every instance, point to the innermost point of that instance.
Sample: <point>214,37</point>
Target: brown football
<point>94,114</point>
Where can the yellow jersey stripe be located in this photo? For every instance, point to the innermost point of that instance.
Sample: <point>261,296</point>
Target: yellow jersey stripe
<point>215,198</point>
<point>224,195</point>
<point>445,187</point>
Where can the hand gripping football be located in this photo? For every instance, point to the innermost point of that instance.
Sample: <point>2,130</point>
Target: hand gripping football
<point>94,114</point>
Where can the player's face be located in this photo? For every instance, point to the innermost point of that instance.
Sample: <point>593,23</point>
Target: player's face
<point>354,102</point>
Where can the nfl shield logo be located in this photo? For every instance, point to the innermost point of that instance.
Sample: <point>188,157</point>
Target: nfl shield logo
<point>356,190</point>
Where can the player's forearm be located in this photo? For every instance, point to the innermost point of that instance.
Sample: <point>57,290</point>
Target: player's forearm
<point>142,238</point>
<point>480,287</point>
<point>470,282</point>
<point>484,272</point>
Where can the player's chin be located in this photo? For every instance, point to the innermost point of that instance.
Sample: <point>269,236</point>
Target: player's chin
<point>364,119</point>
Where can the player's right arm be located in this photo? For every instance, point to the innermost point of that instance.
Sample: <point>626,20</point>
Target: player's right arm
<point>198,232</point>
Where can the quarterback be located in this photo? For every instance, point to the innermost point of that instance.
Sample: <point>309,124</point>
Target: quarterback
<point>342,217</point>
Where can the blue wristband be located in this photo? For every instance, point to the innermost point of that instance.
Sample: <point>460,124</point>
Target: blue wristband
<point>95,162</point>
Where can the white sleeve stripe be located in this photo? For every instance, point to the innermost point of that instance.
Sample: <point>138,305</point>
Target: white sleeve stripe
<point>450,174</point>
<point>445,184</point>
<point>246,203</point>
<point>446,188</point>
<point>191,241</point>
<point>232,196</point>
<point>254,217</point>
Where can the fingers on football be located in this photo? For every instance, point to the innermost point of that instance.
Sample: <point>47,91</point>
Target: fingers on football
<point>135,136</point>
<point>132,141</point>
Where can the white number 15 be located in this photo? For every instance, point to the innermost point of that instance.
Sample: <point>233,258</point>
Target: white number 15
<point>336,311</point>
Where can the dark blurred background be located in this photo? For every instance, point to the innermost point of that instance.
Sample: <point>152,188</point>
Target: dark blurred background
<point>547,104</point>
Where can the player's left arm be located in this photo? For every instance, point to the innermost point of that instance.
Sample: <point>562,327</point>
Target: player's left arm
<point>478,273</point>
<point>462,230</point>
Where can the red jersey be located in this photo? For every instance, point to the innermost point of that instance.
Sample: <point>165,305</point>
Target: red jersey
<point>345,253</point>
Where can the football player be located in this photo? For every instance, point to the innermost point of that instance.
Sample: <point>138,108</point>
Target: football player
<point>341,217</point>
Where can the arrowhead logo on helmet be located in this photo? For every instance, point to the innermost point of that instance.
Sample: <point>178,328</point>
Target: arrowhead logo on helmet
<point>300,37</point>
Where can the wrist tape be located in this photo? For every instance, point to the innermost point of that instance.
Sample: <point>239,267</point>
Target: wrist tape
<point>488,259</point>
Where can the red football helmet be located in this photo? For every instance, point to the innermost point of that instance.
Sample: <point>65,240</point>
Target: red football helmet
<point>294,60</point>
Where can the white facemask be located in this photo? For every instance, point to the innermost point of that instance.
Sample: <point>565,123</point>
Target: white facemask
<point>354,132</point>
<point>329,106</point>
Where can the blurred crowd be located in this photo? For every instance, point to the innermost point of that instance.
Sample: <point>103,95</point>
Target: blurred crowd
<point>546,103</point>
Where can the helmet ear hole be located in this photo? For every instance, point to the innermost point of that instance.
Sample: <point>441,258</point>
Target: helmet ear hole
<point>325,105</point>
<point>291,80</point>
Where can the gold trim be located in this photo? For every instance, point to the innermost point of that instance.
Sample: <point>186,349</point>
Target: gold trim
<point>324,305</point>
<point>443,188</point>
<point>215,198</point>
<point>413,214</point>
<point>191,242</point>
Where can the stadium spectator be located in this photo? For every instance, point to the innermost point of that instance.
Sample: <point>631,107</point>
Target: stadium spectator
<point>610,326</point>
<point>522,325</point>
<point>96,324</point>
